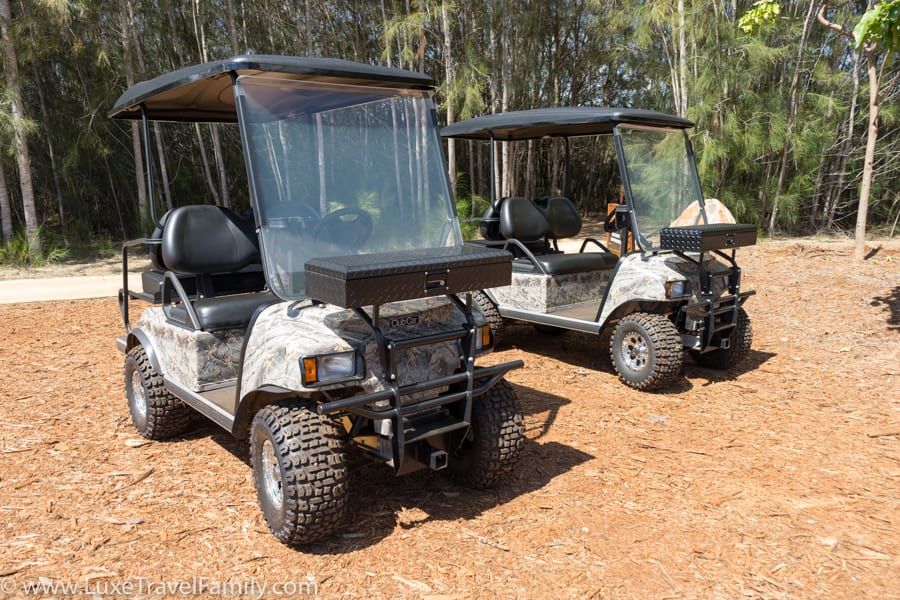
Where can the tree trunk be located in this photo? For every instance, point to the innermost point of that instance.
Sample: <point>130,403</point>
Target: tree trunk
<point>51,151</point>
<point>232,28</point>
<point>137,148</point>
<point>448,85</point>
<point>23,158</point>
<point>204,160</point>
<point>682,61</point>
<point>163,165</point>
<point>871,137</point>
<point>6,219</point>
<point>506,76</point>
<point>493,84</point>
<point>871,51</point>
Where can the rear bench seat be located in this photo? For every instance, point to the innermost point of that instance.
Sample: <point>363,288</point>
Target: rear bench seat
<point>220,250</point>
<point>248,279</point>
<point>525,221</point>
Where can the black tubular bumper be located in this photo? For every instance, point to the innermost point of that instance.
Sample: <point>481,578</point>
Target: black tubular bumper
<point>486,376</point>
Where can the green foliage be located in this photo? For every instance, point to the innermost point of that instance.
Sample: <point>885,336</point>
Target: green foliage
<point>18,253</point>
<point>464,208</point>
<point>762,12</point>
<point>72,67</point>
<point>880,24</point>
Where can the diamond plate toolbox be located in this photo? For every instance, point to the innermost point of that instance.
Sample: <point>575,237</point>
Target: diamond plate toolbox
<point>369,279</point>
<point>701,238</point>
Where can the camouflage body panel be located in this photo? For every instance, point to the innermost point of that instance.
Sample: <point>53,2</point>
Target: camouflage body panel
<point>544,293</point>
<point>197,360</point>
<point>643,277</point>
<point>286,332</point>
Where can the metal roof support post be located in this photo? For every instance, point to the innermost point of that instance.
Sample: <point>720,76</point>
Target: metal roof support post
<point>492,172</point>
<point>148,162</point>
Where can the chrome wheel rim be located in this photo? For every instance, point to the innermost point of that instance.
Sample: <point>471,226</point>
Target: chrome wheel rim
<point>139,397</point>
<point>271,474</point>
<point>635,351</point>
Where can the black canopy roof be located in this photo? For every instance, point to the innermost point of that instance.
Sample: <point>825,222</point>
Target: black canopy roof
<point>203,93</point>
<point>558,122</point>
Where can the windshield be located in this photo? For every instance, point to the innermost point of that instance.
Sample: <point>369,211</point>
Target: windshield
<point>662,177</point>
<point>338,170</point>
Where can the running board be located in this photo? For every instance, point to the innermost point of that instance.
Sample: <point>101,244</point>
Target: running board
<point>205,407</point>
<point>550,319</point>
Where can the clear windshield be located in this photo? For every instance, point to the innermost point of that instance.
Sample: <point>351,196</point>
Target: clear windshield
<point>663,179</point>
<point>339,170</point>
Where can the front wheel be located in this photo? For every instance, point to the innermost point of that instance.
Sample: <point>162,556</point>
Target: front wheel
<point>155,412</point>
<point>740,339</point>
<point>646,351</point>
<point>491,447</point>
<point>491,314</point>
<point>300,470</point>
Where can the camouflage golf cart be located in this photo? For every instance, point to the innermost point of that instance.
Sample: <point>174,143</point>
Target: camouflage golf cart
<point>663,280</point>
<point>334,322</point>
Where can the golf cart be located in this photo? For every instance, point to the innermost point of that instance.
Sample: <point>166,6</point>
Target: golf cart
<point>665,279</point>
<point>335,321</point>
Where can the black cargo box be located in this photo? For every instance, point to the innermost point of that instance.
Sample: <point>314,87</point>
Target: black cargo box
<point>369,279</point>
<point>700,238</point>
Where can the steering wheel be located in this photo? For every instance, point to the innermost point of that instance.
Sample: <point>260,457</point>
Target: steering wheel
<point>348,228</point>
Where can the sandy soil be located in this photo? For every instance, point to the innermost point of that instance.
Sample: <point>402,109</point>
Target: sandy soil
<point>778,480</point>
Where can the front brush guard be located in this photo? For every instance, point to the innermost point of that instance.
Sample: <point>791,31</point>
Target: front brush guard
<point>397,412</point>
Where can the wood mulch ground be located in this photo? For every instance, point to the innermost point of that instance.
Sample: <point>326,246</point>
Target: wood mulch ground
<point>778,480</point>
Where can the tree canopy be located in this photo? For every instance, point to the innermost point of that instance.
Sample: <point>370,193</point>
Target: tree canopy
<point>780,103</point>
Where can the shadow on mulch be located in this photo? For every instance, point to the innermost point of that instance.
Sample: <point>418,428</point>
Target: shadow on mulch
<point>586,351</point>
<point>892,302</point>
<point>380,503</point>
<point>379,499</point>
<point>754,360</point>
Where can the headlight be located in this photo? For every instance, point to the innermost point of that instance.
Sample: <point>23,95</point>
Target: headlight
<point>678,289</point>
<point>483,339</point>
<point>331,368</point>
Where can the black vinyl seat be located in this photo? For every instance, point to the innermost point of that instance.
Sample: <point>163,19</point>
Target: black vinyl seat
<point>490,229</point>
<point>249,279</point>
<point>525,221</point>
<point>203,241</point>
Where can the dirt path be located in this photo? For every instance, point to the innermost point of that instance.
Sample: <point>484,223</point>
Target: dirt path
<point>781,480</point>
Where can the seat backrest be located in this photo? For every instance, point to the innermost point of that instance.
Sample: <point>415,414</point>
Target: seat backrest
<point>490,222</point>
<point>205,239</point>
<point>562,215</point>
<point>155,250</point>
<point>521,219</point>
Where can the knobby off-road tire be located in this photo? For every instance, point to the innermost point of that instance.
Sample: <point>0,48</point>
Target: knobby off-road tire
<point>490,312</point>
<point>300,471</point>
<point>646,351</point>
<point>155,412</point>
<point>741,337</point>
<point>488,452</point>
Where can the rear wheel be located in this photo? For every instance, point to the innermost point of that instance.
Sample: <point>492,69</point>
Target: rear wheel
<point>300,470</point>
<point>740,339</point>
<point>155,412</point>
<point>491,313</point>
<point>646,351</point>
<point>491,447</point>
